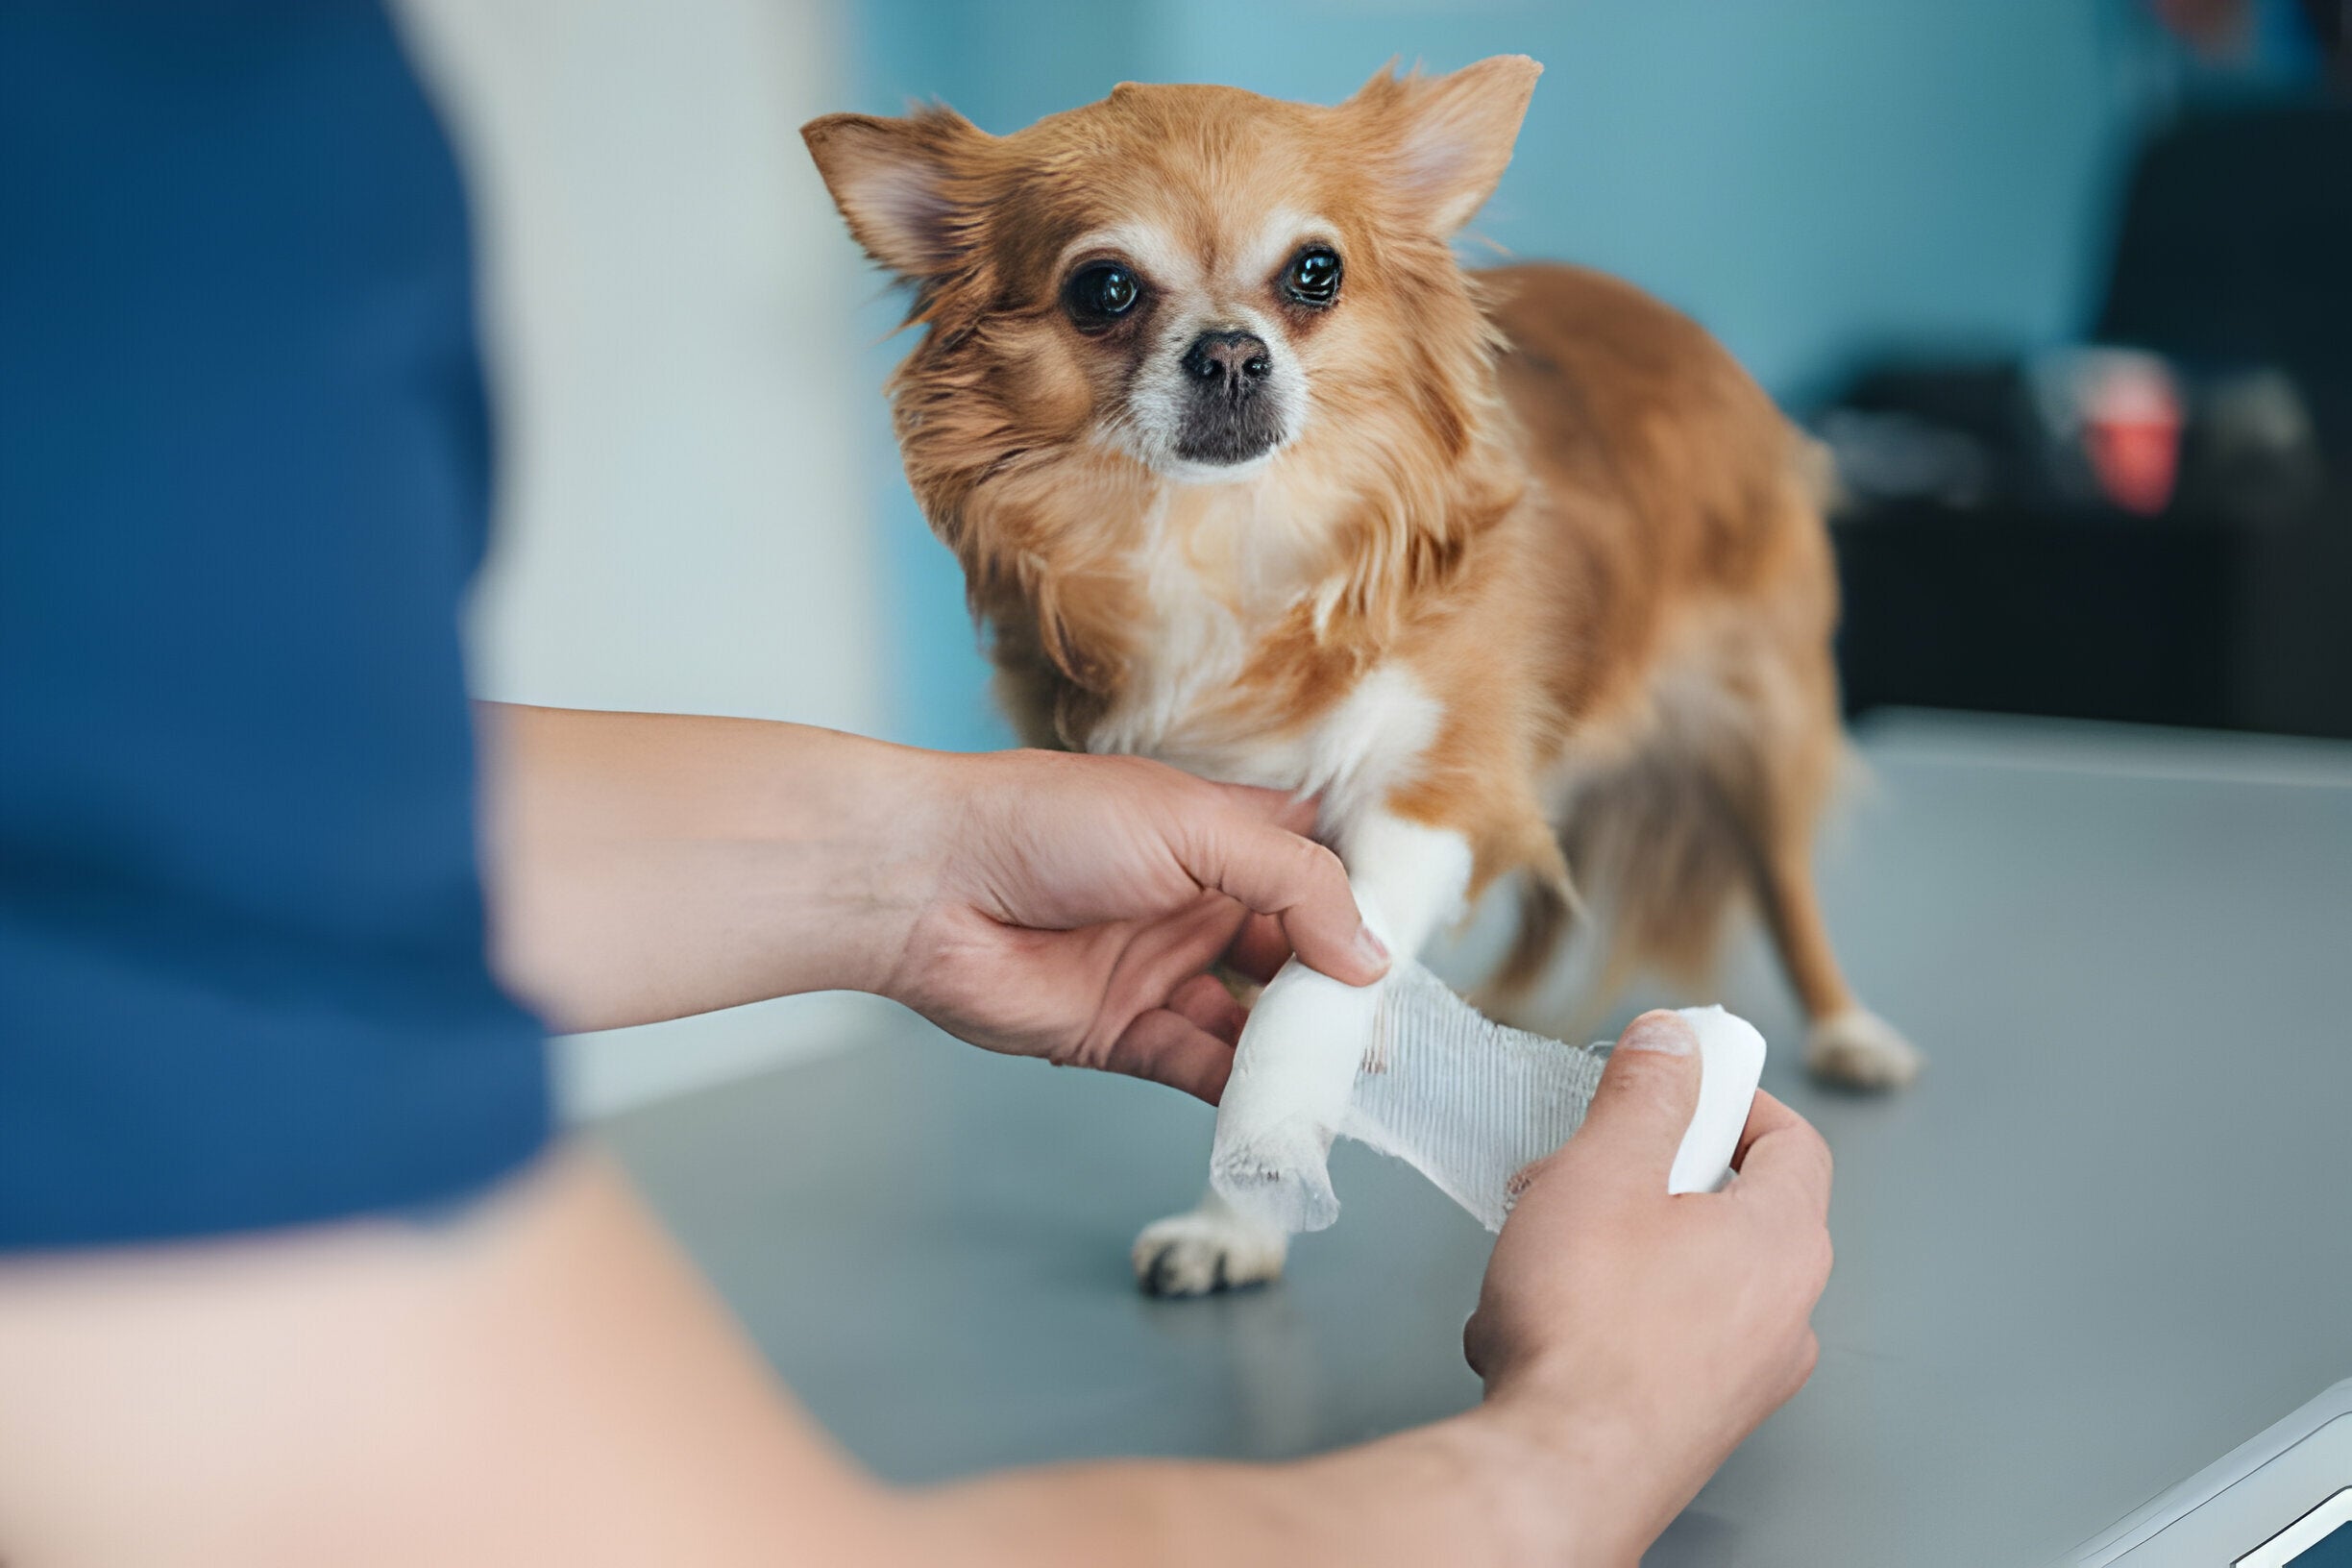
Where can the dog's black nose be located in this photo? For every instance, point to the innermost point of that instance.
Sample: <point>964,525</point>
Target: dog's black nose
<point>1233,413</point>
<point>1229,361</point>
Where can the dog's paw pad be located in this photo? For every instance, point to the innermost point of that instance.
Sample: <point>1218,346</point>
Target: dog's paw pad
<point>1859,1049</point>
<point>1197,1255</point>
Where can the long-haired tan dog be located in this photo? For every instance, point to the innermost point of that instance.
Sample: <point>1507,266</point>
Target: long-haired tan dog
<point>1518,570</point>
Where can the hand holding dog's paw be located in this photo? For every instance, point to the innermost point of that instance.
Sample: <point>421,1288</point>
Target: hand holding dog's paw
<point>1078,906</point>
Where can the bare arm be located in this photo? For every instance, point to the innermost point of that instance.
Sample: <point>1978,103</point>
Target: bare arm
<point>646,866</point>
<point>544,1380</point>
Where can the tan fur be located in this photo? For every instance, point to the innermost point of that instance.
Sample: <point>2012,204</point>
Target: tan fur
<point>1558,503</point>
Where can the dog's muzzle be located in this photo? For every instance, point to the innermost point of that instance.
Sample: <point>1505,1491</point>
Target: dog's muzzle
<point>1229,416</point>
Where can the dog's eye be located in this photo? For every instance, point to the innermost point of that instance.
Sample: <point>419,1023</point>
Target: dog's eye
<point>1313,278</point>
<point>1098,295</point>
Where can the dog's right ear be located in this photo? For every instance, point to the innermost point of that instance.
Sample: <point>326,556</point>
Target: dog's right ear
<point>897,183</point>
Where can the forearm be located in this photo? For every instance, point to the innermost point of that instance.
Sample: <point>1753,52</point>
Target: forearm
<point>542,1380</point>
<point>648,866</point>
<point>1470,1489</point>
<point>535,1380</point>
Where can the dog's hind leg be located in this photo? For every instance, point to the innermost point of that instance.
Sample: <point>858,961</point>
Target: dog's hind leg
<point>1775,790</point>
<point>1848,1043</point>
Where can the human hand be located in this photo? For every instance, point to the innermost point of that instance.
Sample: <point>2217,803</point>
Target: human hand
<point>1081,901</point>
<point>1638,1335</point>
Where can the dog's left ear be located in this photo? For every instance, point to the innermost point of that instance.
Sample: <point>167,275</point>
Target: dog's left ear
<point>1448,139</point>
<point>896,182</point>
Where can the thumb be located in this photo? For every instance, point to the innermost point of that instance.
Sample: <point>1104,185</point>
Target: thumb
<point>1647,1095</point>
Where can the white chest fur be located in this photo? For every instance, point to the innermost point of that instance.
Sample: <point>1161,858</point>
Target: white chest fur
<point>1219,570</point>
<point>1217,580</point>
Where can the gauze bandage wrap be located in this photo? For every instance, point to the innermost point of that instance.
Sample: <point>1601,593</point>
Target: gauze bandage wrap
<point>1462,1100</point>
<point>1466,1101</point>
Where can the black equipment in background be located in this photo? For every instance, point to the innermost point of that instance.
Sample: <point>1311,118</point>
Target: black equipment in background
<point>2157,526</point>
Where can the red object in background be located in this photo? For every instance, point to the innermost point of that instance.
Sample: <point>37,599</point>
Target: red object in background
<point>2131,432</point>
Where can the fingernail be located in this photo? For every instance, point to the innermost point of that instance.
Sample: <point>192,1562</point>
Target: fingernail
<point>1669,1033</point>
<point>1369,947</point>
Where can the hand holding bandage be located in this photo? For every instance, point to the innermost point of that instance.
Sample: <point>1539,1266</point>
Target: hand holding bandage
<point>1414,1071</point>
<point>1644,1331</point>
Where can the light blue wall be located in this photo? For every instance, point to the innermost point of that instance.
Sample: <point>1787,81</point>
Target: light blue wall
<point>1004,64</point>
<point>1807,176</point>
<point>1813,178</point>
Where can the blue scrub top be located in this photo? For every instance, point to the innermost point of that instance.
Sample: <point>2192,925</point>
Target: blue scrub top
<point>244,479</point>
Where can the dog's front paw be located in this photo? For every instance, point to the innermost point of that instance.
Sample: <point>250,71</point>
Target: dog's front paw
<point>1205,1250</point>
<point>1859,1049</point>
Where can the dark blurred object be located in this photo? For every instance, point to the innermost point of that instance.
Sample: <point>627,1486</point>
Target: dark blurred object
<point>2331,26</point>
<point>2157,528</point>
<point>2215,29</point>
<point>2082,428</point>
<point>2236,245</point>
<point>2226,30</point>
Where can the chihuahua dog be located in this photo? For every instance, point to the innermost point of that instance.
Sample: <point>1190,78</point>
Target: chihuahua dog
<point>1516,569</point>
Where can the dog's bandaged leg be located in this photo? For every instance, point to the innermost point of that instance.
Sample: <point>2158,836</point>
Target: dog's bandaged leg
<point>1470,1103</point>
<point>1413,1070</point>
<point>1292,1075</point>
<point>1294,1070</point>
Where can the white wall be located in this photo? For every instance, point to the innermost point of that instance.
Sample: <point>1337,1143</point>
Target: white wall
<point>683,525</point>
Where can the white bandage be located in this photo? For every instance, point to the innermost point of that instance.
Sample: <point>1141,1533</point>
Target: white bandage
<point>1293,1076</point>
<point>1466,1101</point>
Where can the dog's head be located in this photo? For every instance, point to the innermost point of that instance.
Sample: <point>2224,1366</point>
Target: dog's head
<point>1181,286</point>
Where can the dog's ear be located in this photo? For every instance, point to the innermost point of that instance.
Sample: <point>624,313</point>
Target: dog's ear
<point>1447,138</point>
<point>895,181</point>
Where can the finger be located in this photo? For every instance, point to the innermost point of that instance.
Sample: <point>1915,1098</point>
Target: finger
<point>1295,880</point>
<point>1169,1048</point>
<point>1646,1098</point>
<point>1477,1341</point>
<point>1158,956</point>
<point>1788,1163</point>
<point>1204,1002</point>
<point>1259,949</point>
<point>1765,1114</point>
<point>1283,809</point>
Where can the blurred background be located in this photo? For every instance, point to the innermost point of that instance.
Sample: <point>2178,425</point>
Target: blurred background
<point>2062,284</point>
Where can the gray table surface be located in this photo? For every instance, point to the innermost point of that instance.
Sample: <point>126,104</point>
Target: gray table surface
<point>2101,1243</point>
